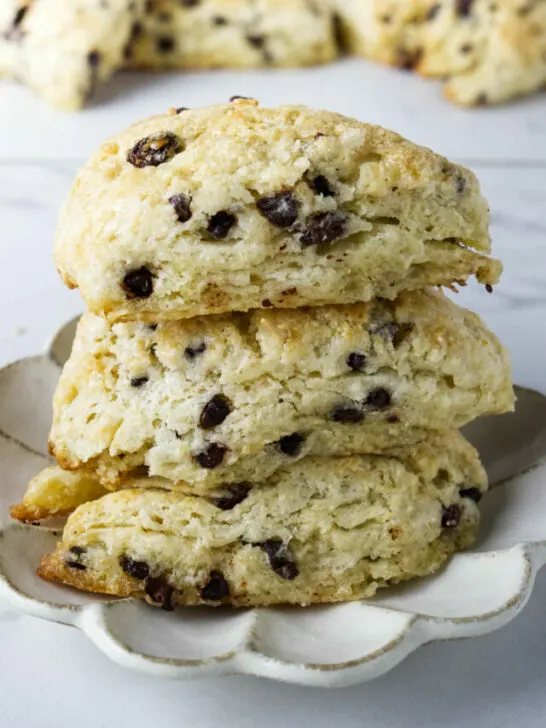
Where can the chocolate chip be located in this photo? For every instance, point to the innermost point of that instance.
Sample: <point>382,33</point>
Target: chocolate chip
<point>324,228</point>
<point>464,7</point>
<point>153,150</point>
<point>280,560</point>
<point>73,558</point>
<point>236,493</point>
<point>216,587</point>
<point>192,352</point>
<point>138,381</point>
<point>378,399</point>
<point>214,412</point>
<point>291,444</point>
<point>281,210</point>
<point>138,283</point>
<point>347,415</point>
<point>165,44</point>
<point>182,207</point>
<point>321,186</point>
<point>136,569</point>
<point>220,224</point>
<point>212,456</point>
<point>474,494</point>
<point>160,592</point>
<point>356,361</point>
<point>451,516</point>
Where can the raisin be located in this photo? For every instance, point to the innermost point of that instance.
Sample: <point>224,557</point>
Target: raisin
<point>451,516</point>
<point>378,399</point>
<point>236,493</point>
<point>212,456</point>
<point>192,352</point>
<point>321,186</point>
<point>155,149</point>
<point>474,494</point>
<point>280,560</point>
<point>220,224</point>
<point>324,228</point>
<point>215,412</point>
<point>138,381</point>
<point>138,283</point>
<point>216,587</point>
<point>291,444</point>
<point>347,415</point>
<point>136,569</point>
<point>464,7</point>
<point>182,207</point>
<point>160,593</point>
<point>356,361</point>
<point>281,210</point>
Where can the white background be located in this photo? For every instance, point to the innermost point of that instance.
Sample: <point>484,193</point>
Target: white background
<point>51,675</point>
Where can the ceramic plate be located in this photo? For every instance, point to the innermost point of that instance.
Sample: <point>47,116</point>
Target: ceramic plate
<point>477,592</point>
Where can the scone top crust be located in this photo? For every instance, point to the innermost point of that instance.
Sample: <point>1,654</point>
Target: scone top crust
<point>198,211</point>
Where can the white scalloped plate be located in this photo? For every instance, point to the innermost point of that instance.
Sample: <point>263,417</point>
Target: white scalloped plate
<point>478,591</point>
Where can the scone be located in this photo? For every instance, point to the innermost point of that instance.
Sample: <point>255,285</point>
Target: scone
<point>63,48</point>
<point>234,33</point>
<point>322,530</point>
<point>228,398</point>
<point>489,52</point>
<point>234,207</point>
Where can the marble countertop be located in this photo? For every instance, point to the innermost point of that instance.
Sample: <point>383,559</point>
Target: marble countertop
<point>496,680</point>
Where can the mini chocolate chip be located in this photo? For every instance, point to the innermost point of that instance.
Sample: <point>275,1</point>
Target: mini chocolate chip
<point>321,186</point>
<point>378,399</point>
<point>463,7</point>
<point>356,361</point>
<point>451,516</point>
<point>266,303</point>
<point>280,560</point>
<point>236,493</point>
<point>180,109</point>
<point>220,224</point>
<point>408,60</point>
<point>324,228</point>
<point>212,456</point>
<point>190,3</point>
<point>14,32</point>
<point>433,12</point>
<point>489,288</point>
<point>347,415</point>
<point>256,41</point>
<point>280,210</point>
<point>192,352</point>
<point>138,381</point>
<point>393,332</point>
<point>160,592</point>
<point>153,150</point>
<point>242,98</point>
<point>482,99</point>
<point>215,412</point>
<point>460,183</point>
<point>136,32</point>
<point>152,327</point>
<point>165,44</point>
<point>219,20</point>
<point>93,58</point>
<point>182,207</point>
<point>138,283</point>
<point>291,444</point>
<point>216,587</point>
<point>136,569</point>
<point>73,558</point>
<point>474,494</point>
<point>393,419</point>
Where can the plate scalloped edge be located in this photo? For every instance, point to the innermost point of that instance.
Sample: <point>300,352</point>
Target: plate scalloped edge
<point>330,646</point>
